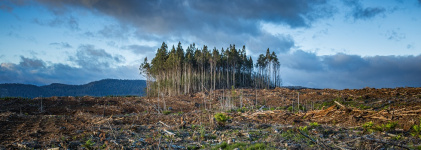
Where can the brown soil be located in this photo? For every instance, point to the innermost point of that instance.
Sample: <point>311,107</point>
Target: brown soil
<point>138,122</point>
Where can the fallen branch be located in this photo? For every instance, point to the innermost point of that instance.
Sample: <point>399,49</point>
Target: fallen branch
<point>381,118</point>
<point>339,104</point>
<point>383,142</point>
<point>168,132</point>
<point>314,141</point>
<point>165,124</point>
<point>105,120</point>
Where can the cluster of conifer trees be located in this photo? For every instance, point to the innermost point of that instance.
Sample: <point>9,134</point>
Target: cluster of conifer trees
<point>175,71</point>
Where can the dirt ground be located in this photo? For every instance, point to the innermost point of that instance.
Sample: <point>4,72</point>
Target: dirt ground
<point>279,118</point>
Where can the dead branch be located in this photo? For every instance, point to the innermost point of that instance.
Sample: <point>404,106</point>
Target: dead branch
<point>105,120</point>
<point>168,132</point>
<point>314,141</point>
<point>385,142</point>
<point>339,104</point>
<point>165,124</point>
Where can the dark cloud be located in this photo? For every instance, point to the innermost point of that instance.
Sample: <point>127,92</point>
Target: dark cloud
<point>198,16</point>
<point>35,71</point>
<point>297,13</point>
<point>9,5</point>
<point>31,63</point>
<point>350,71</point>
<point>300,60</point>
<point>368,13</point>
<point>343,62</point>
<point>359,12</point>
<point>61,45</point>
<point>96,59</point>
<point>214,23</point>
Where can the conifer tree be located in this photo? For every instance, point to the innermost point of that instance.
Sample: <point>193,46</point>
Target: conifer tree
<point>176,71</point>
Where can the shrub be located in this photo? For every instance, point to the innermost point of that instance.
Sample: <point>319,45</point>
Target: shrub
<point>290,108</point>
<point>221,118</point>
<point>390,126</point>
<point>397,137</point>
<point>257,146</point>
<point>314,124</point>
<point>416,131</point>
<point>88,144</point>
<point>166,112</point>
<point>304,129</point>
<point>225,146</point>
<point>368,127</point>
<point>243,109</point>
<point>193,147</point>
<point>297,137</point>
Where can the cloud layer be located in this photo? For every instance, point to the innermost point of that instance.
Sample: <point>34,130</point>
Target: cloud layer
<point>91,64</point>
<point>232,22</point>
<point>232,16</point>
<point>350,71</point>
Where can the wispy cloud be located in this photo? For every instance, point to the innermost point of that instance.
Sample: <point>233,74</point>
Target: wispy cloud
<point>69,22</point>
<point>61,45</point>
<point>87,56</point>
<point>395,35</point>
<point>363,13</point>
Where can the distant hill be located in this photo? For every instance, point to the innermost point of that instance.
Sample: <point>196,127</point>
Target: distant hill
<point>104,87</point>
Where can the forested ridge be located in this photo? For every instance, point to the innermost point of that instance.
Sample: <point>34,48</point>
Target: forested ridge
<point>177,71</point>
<point>106,87</point>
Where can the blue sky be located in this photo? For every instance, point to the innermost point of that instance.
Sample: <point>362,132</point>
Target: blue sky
<point>320,43</point>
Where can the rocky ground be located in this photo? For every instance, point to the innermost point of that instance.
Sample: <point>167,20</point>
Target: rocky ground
<point>267,119</point>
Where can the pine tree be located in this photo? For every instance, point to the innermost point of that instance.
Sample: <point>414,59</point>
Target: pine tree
<point>177,72</point>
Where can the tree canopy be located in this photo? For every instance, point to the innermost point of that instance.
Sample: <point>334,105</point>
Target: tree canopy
<point>175,71</point>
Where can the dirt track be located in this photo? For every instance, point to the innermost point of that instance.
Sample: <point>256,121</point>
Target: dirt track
<point>135,122</point>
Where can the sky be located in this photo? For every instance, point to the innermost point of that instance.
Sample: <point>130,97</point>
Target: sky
<point>320,43</point>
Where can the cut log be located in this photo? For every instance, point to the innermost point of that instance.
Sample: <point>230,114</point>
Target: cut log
<point>165,124</point>
<point>168,132</point>
<point>339,104</point>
